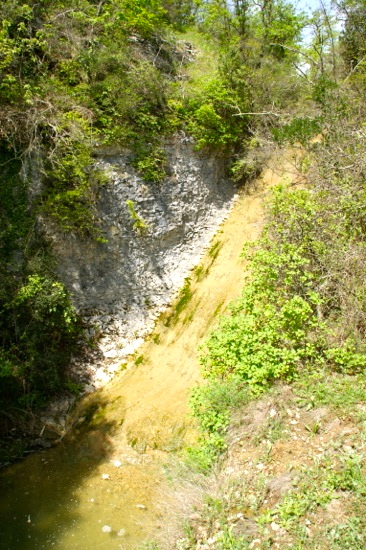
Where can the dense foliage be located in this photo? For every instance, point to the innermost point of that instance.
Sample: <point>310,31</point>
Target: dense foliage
<point>38,325</point>
<point>303,306</point>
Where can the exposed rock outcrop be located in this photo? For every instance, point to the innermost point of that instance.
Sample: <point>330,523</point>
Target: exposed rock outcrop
<point>122,285</point>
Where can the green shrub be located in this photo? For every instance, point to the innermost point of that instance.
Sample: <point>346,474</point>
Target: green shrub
<point>39,327</point>
<point>139,225</point>
<point>211,405</point>
<point>261,342</point>
<point>143,17</point>
<point>299,130</point>
<point>287,321</point>
<point>71,181</point>
<point>40,332</point>
<point>212,116</point>
<point>151,166</point>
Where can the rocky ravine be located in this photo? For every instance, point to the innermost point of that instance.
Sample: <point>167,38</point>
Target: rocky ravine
<point>122,286</point>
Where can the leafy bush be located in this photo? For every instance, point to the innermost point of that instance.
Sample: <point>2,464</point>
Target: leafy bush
<point>39,333</point>
<point>71,181</point>
<point>211,405</point>
<point>139,224</point>
<point>151,166</point>
<point>143,17</point>
<point>212,116</point>
<point>267,334</point>
<point>260,343</point>
<point>299,130</point>
<point>299,311</point>
<point>38,325</point>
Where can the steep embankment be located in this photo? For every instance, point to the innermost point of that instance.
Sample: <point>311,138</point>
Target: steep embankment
<point>154,234</point>
<point>109,471</point>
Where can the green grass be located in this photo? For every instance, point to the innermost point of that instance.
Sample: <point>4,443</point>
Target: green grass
<point>214,250</point>
<point>183,300</point>
<point>205,64</point>
<point>199,272</point>
<point>340,392</point>
<point>333,477</point>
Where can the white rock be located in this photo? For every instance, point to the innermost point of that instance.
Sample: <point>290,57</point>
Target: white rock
<point>101,376</point>
<point>113,368</point>
<point>130,279</point>
<point>107,529</point>
<point>111,354</point>
<point>121,533</point>
<point>117,463</point>
<point>106,476</point>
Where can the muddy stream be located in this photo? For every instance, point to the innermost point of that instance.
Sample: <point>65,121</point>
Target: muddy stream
<point>105,485</point>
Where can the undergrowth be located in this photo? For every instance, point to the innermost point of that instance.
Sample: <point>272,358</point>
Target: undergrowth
<point>40,329</point>
<point>300,316</point>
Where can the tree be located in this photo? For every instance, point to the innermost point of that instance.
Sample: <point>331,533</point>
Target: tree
<point>353,37</point>
<point>181,13</point>
<point>278,27</point>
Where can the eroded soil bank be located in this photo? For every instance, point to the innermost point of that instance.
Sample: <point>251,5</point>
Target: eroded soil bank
<point>105,485</point>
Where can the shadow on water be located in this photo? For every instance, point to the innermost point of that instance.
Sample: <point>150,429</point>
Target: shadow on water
<point>39,496</point>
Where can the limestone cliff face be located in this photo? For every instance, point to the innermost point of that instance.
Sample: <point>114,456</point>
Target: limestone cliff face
<point>123,284</point>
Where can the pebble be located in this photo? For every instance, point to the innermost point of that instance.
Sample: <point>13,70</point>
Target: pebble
<point>121,533</point>
<point>107,529</point>
<point>106,476</point>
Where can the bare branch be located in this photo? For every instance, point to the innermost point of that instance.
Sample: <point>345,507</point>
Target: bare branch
<point>100,7</point>
<point>354,69</point>
<point>331,39</point>
<point>303,73</point>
